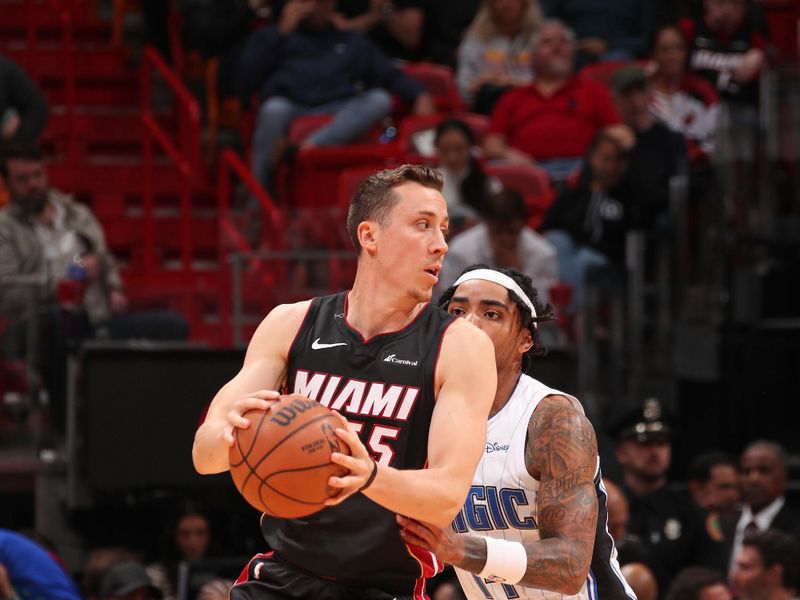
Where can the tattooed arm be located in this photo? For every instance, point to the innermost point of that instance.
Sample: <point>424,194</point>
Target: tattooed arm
<point>561,452</point>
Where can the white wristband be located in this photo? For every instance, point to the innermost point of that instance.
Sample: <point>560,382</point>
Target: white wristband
<point>506,562</point>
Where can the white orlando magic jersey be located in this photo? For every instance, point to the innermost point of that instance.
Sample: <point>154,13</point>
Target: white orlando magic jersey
<point>502,503</point>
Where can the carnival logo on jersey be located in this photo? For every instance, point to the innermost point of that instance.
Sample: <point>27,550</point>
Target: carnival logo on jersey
<point>392,358</point>
<point>495,447</point>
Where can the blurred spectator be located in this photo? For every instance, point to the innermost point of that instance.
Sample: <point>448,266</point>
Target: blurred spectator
<point>28,572</point>
<point>445,23</point>
<point>395,26</point>
<point>726,47</point>
<point>629,549</point>
<point>496,52</point>
<point>664,520</point>
<point>466,186</point>
<point>23,109</point>
<point>305,65</point>
<point>189,539</point>
<point>216,589</point>
<point>714,483</point>
<point>214,27</point>
<point>768,567</point>
<point>641,580</point>
<point>552,121</point>
<point>699,583</point>
<point>588,222</point>
<point>502,240</point>
<point>45,234</point>
<point>763,480</point>
<point>608,30</point>
<point>658,153</point>
<point>684,102</point>
<point>128,581</point>
<point>99,562</point>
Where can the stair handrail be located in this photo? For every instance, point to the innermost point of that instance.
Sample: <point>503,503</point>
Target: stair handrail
<point>229,163</point>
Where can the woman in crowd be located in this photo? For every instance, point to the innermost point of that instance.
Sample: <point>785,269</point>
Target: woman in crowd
<point>495,53</point>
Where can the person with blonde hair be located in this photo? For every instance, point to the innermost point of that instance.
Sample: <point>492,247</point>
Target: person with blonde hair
<point>496,51</point>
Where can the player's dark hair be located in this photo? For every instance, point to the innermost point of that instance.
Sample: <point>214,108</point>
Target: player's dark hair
<point>690,582</point>
<point>544,312</point>
<point>778,548</point>
<point>374,198</point>
<point>18,151</point>
<point>701,467</point>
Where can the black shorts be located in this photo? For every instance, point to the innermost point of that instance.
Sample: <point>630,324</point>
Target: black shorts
<point>267,577</point>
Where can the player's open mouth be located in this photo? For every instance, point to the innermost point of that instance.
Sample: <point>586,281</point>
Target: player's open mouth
<point>434,271</point>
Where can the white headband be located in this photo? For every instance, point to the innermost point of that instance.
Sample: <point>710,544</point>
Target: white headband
<point>500,279</point>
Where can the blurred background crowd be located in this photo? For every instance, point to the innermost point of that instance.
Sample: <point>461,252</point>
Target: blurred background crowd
<point>171,170</point>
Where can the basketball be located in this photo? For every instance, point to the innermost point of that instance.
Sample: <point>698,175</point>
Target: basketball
<point>282,462</point>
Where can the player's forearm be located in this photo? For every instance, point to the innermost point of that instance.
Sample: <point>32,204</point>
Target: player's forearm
<point>209,451</point>
<point>557,565</point>
<point>430,495</point>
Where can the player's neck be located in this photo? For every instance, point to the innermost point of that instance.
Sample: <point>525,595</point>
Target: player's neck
<point>372,309</point>
<point>507,379</point>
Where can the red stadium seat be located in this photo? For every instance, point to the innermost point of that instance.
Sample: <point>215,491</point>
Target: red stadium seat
<point>439,81</point>
<point>604,71</point>
<point>530,181</point>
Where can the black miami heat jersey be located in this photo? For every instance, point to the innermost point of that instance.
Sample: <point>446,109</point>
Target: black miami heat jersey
<point>385,387</point>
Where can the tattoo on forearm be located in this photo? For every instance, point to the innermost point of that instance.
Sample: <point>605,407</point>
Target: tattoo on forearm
<point>561,453</point>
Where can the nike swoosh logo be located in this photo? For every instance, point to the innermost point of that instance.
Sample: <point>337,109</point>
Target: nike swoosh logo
<point>315,345</point>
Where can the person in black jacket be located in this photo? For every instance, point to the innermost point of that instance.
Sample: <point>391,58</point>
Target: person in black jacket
<point>587,223</point>
<point>304,65</point>
<point>23,109</point>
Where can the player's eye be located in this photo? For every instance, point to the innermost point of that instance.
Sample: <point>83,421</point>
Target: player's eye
<point>492,314</point>
<point>423,224</point>
<point>456,311</point>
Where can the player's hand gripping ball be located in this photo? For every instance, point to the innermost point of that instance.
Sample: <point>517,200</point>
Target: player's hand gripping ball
<point>282,462</point>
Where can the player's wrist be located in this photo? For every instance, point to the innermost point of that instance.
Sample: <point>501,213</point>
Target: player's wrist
<point>506,561</point>
<point>371,479</point>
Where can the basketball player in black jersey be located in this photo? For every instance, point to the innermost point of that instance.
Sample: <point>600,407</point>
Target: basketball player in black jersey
<point>534,524</point>
<point>414,383</point>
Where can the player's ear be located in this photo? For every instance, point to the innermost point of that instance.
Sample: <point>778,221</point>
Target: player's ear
<point>366,235</point>
<point>526,341</point>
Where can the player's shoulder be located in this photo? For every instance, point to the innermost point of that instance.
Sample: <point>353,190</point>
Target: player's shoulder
<point>281,322</point>
<point>462,331</point>
<point>559,408</point>
<point>464,346</point>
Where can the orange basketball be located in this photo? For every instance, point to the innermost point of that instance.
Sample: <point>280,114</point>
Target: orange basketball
<point>282,462</point>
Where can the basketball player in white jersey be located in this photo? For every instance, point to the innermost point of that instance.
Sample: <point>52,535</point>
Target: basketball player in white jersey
<point>534,524</point>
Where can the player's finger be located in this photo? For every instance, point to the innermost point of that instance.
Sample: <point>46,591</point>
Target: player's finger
<point>346,461</point>
<point>338,499</point>
<point>351,438</point>
<point>252,403</point>
<point>348,481</point>
<point>416,529</point>
<point>267,395</point>
<point>237,420</point>
<point>410,538</point>
<point>227,434</point>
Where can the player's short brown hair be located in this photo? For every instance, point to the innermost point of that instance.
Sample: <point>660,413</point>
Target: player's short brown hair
<point>374,198</point>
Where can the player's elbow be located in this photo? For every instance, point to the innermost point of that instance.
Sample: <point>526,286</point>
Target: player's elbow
<point>574,585</point>
<point>204,462</point>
